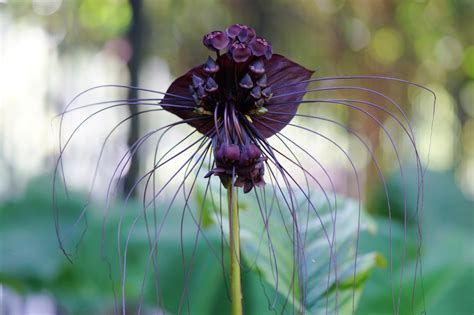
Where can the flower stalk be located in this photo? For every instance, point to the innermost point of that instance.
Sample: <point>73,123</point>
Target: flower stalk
<point>234,247</point>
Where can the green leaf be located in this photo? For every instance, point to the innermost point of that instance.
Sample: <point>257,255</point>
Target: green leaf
<point>447,258</point>
<point>30,259</point>
<point>272,254</point>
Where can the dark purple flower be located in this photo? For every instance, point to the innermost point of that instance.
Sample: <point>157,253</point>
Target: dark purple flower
<point>233,98</point>
<point>261,47</point>
<point>240,52</point>
<point>242,33</point>
<point>237,100</point>
<point>216,40</point>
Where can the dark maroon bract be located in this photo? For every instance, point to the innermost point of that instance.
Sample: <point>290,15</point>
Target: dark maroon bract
<point>230,96</point>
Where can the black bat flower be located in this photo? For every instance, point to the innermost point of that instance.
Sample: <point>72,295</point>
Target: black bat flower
<point>236,100</point>
<point>232,94</point>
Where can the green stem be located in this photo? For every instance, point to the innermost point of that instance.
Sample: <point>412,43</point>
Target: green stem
<point>234,235</point>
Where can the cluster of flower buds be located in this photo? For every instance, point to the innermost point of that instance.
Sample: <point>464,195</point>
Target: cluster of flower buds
<point>245,162</point>
<point>255,82</point>
<point>240,41</point>
<point>202,88</point>
<point>253,86</point>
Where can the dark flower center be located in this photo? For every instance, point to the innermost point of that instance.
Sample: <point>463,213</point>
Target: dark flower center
<point>227,85</point>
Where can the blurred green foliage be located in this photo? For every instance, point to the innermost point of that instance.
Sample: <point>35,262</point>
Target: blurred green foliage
<point>91,283</point>
<point>104,19</point>
<point>447,254</point>
<point>31,260</point>
<point>85,286</point>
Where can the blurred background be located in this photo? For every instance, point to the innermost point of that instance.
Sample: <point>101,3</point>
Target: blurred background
<point>50,50</point>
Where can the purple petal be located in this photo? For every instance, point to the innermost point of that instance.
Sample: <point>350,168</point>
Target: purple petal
<point>216,40</point>
<point>247,186</point>
<point>239,182</point>
<point>233,30</point>
<point>258,47</point>
<point>241,32</point>
<point>282,72</point>
<point>261,47</point>
<point>246,35</point>
<point>231,151</point>
<point>269,52</point>
<point>240,52</point>
<point>178,90</point>
<point>220,41</point>
<point>249,153</point>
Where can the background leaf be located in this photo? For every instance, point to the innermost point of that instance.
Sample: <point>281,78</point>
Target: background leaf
<point>274,260</point>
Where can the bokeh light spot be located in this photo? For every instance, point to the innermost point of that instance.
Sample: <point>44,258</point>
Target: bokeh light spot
<point>358,35</point>
<point>46,7</point>
<point>448,52</point>
<point>437,139</point>
<point>387,46</point>
<point>330,6</point>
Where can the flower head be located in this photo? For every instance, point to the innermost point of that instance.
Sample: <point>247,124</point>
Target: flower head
<point>231,94</point>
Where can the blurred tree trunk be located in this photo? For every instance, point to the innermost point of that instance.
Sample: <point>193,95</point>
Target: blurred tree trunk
<point>134,37</point>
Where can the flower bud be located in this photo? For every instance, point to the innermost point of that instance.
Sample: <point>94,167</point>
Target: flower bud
<point>246,82</point>
<point>246,34</point>
<point>233,30</point>
<point>231,152</point>
<point>257,67</point>
<point>201,93</point>
<point>240,32</point>
<point>216,40</point>
<point>197,81</point>
<point>240,52</point>
<point>254,151</point>
<point>211,85</point>
<point>261,47</point>
<point>250,153</point>
<point>211,66</point>
<point>260,102</point>
<point>262,81</point>
<point>267,92</point>
<point>256,92</point>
